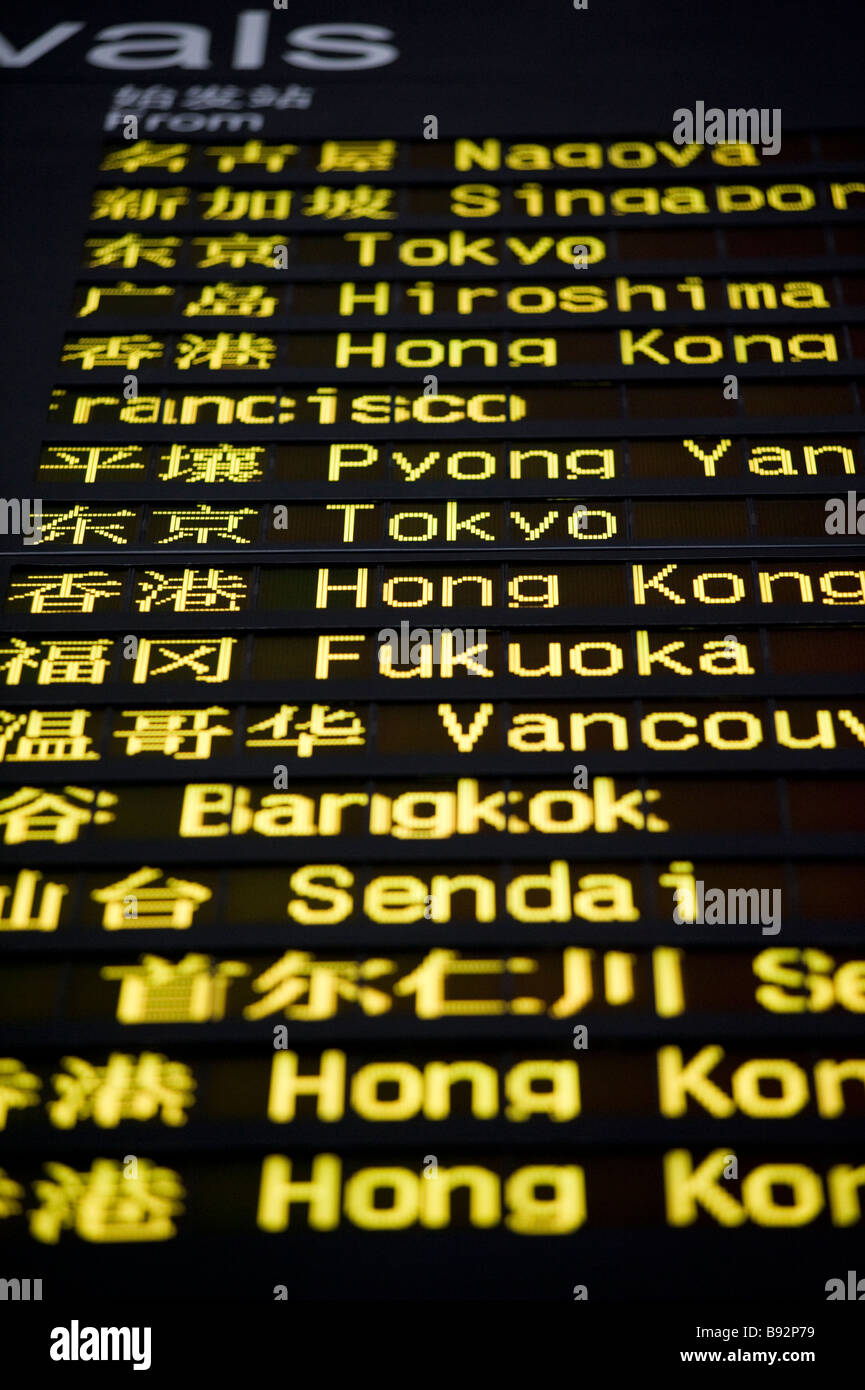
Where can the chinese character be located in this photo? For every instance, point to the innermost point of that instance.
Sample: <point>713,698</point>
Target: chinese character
<point>428,981</point>
<point>167,730</point>
<point>82,520</point>
<point>11,1193</point>
<point>229,157</point>
<point>92,458</point>
<point>327,981</point>
<point>80,662</point>
<point>18,1088</point>
<point>291,96</point>
<point>208,660</point>
<point>119,350</point>
<point>104,1205</point>
<point>144,98</point>
<point>348,203</point>
<point>64,593</point>
<point>33,814</point>
<point>323,729</point>
<point>138,204</point>
<point>357,155</point>
<point>172,906</point>
<point>214,463</point>
<point>223,298</point>
<point>238,250</point>
<point>255,204</point>
<point>20,655</point>
<point>158,991</point>
<point>126,1088</point>
<point>192,591</point>
<point>146,154</point>
<point>213,97</point>
<point>129,250</point>
<point>577,982</point>
<point>49,736</point>
<point>227,351</point>
<point>124,289</point>
<point>21,909</point>
<point>197,525</point>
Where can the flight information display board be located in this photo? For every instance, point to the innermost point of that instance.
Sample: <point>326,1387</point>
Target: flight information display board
<point>432,639</point>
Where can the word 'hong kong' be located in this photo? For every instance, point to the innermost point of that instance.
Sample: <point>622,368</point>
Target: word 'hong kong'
<point>713,907</point>
<point>381,350</point>
<point>422,649</point>
<point>550,1199</point>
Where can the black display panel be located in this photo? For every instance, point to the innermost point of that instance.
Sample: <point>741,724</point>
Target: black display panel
<point>432,598</point>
